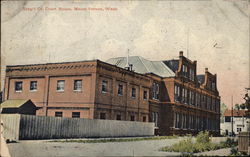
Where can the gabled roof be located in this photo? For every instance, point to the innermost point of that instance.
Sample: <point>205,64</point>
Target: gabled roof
<point>14,103</point>
<point>141,65</point>
<point>236,113</point>
<point>201,78</point>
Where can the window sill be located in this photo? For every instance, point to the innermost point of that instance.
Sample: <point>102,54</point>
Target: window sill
<point>103,92</point>
<point>33,90</point>
<point>77,91</point>
<point>119,94</point>
<point>60,91</point>
<point>19,91</point>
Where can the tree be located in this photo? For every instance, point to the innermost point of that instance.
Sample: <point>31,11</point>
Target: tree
<point>237,107</point>
<point>243,106</point>
<point>223,108</point>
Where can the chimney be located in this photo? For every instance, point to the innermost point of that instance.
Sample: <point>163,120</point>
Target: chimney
<point>181,53</point>
<point>206,69</point>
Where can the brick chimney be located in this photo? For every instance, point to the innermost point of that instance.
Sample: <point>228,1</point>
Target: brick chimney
<point>181,53</point>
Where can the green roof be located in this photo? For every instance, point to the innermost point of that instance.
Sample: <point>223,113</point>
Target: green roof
<point>13,103</point>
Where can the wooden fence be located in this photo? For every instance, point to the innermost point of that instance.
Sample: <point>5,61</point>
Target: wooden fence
<point>19,127</point>
<point>244,142</point>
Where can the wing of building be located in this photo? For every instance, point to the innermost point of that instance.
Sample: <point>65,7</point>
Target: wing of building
<point>239,120</point>
<point>167,92</point>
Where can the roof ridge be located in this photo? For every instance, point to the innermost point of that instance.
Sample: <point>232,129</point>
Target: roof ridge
<point>140,58</point>
<point>168,69</point>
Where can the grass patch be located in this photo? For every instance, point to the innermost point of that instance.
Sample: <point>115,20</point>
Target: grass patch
<point>116,139</point>
<point>200,144</point>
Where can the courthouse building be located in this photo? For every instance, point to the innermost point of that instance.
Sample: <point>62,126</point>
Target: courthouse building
<point>168,92</point>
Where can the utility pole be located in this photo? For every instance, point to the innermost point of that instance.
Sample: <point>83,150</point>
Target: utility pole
<point>188,43</point>
<point>232,118</point>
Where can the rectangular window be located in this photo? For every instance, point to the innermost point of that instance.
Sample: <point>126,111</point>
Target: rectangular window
<point>176,93</point>
<point>104,86</point>
<point>118,117</point>
<point>120,89</point>
<point>33,85</point>
<point>144,118</point>
<point>77,85</point>
<point>58,114</point>
<point>18,86</point>
<point>183,95</point>
<point>192,74</point>
<point>213,86</point>
<point>75,114</point>
<point>60,85</point>
<point>198,99</point>
<point>145,95</point>
<point>175,120</point>
<point>190,97</point>
<point>185,70</point>
<point>227,119</point>
<point>186,96</point>
<point>133,94</point>
<point>102,115</point>
<point>155,118</point>
<point>132,118</point>
<point>156,91</point>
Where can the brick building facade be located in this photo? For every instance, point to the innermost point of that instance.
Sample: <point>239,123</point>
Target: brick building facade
<point>168,93</point>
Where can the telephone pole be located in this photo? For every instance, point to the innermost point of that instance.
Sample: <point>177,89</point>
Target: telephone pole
<point>232,119</point>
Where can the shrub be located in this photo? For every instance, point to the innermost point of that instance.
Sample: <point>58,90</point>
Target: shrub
<point>203,137</point>
<point>229,143</point>
<point>202,144</point>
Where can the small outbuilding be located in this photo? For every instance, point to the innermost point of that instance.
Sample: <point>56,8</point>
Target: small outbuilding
<point>18,106</point>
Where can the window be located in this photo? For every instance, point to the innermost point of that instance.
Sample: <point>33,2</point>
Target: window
<point>213,86</point>
<point>104,86</point>
<point>102,115</point>
<point>186,96</point>
<point>177,93</point>
<point>77,85</point>
<point>183,95</point>
<point>58,114</point>
<point>155,118</point>
<point>197,99</point>
<point>133,93</point>
<point>75,114</point>
<point>60,85</point>
<point>238,129</point>
<point>18,86</point>
<point>120,89</point>
<point>190,97</point>
<point>145,95</point>
<point>118,117</point>
<point>144,118</point>
<point>191,75</point>
<point>132,118</point>
<point>156,90</point>
<point>185,70</point>
<point>33,85</point>
<point>227,119</point>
